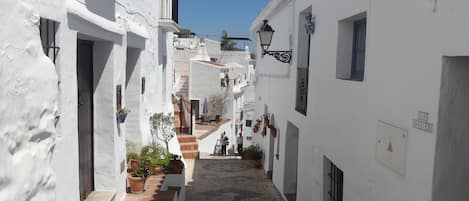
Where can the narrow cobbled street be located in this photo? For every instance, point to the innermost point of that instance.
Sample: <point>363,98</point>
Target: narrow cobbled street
<point>227,179</point>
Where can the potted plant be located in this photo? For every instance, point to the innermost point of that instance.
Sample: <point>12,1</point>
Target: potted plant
<point>266,120</point>
<point>121,114</point>
<point>273,131</point>
<point>162,128</point>
<point>132,160</point>
<point>158,157</point>
<point>255,129</point>
<point>253,153</point>
<point>137,178</point>
<point>264,131</point>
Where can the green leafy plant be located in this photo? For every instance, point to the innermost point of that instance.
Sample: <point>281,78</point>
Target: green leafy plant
<point>252,153</point>
<point>162,128</point>
<point>132,155</point>
<point>157,155</point>
<point>143,169</point>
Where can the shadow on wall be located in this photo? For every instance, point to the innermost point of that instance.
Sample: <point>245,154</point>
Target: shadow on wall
<point>104,8</point>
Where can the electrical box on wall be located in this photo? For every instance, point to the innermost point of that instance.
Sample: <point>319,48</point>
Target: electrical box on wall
<point>391,146</point>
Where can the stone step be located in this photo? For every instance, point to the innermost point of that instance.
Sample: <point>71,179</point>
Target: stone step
<point>189,146</point>
<point>186,138</point>
<point>190,154</point>
<point>101,196</point>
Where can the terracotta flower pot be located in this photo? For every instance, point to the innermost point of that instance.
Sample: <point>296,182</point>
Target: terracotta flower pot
<point>255,129</point>
<point>157,170</point>
<point>273,131</point>
<point>264,131</point>
<point>137,184</point>
<point>133,165</point>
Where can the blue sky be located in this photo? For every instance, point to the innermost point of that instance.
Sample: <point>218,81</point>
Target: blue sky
<point>210,17</point>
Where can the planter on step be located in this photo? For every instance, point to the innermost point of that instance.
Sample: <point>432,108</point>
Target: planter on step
<point>137,184</point>
<point>157,170</point>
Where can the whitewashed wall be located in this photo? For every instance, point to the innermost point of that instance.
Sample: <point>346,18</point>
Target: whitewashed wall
<point>405,45</point>
<point>49,161</point>
<point>28,105</point>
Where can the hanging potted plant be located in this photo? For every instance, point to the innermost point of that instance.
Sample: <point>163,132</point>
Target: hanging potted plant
<point>273,131</point>
<point>121,114</point>
<point>255,129</point>
<point>264,131</point>
<point>266,120</point>
<point>138,177</point>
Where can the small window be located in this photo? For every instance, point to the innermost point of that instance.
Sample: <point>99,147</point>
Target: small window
<point>143,85</point>
<point>47,31</point>
<point>351,48</point>
<point>333,181</point>
<point>359,47</point>
<point>248,123</point>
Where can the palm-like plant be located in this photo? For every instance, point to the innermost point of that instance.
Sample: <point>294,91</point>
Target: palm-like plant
<point>162,128</point>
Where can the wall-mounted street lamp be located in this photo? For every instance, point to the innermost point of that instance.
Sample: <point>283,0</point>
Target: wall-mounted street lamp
<point>265,35</point>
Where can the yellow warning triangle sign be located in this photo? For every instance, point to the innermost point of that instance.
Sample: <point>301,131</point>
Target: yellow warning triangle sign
<point>389,149</point>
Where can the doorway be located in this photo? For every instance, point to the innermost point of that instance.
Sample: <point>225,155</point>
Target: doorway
<point>291,162</point>
<point>85,116</point>
<point>451,168</point>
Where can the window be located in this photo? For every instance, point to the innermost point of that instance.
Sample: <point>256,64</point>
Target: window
<point>359,47</point>
<point>304,51</point>
<point>143,85</point>
<point>47,31</point>
<point>351,48</point>
<point>248,123</point>
<point>333,181</point>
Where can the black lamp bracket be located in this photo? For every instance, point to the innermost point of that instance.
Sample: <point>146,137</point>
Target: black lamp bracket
<point>282,56</point>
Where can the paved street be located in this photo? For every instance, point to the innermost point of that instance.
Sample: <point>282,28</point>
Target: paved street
<point>221,179</point>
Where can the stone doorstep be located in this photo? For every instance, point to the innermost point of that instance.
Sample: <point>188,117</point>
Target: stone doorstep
<point>101,196</point>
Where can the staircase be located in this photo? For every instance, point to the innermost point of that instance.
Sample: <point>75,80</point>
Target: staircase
<point>189,146</point>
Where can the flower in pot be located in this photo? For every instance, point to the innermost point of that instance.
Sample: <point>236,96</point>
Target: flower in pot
<point>132,160</point>
<point>137,178</point>
<point>121,114</point>
<point>255,129</point>
<point>158,157</point>
<point>266,120</point>
<point>273,131</point>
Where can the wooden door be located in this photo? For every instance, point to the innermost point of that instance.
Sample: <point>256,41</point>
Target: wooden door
<point>85,116</point>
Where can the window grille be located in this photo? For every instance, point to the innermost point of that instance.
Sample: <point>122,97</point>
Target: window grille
<point>48,32</point>
<point>336,183</point>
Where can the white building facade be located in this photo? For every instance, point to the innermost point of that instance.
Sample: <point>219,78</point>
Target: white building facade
<point>371,105</point>
<point>75,63</point>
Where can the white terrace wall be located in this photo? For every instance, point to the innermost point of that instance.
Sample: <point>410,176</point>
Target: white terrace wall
<point>50,161</point>
<point>28,103</point>
<point>402,77</point>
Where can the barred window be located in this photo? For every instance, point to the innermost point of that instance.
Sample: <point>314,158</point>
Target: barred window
<point>48,32</point>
